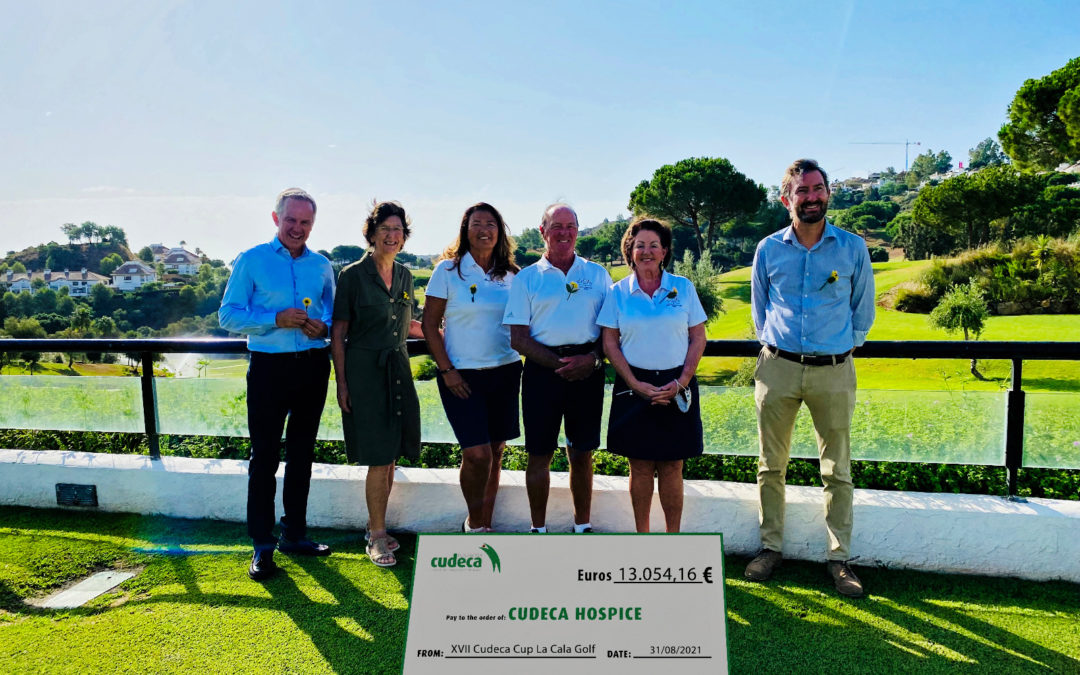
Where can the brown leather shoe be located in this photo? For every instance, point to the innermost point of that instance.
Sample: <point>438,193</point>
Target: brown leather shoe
<point>761,567</point>
<point>847,584</point>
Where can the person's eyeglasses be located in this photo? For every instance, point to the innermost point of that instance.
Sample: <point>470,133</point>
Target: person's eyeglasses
<point>388,230</point>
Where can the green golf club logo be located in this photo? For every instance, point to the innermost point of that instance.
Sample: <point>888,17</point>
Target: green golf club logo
<point>458,561</point>
<point>496,565</point>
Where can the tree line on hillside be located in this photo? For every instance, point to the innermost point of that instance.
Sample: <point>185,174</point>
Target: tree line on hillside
<point>1007,202</point>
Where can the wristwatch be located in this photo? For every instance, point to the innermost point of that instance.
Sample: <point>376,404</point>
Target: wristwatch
<point>598,362</point>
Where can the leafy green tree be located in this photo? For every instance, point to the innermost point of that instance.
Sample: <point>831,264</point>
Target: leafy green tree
<point>929,163</point>
<point>525,258</point>
<point>104,327</point>
<point>866,216</point>
<point>963,207</point>
<point>89,230</point>
<point>45,301</point>
<point>110,263</point>
<point>25,329</point>
<point>1044,120</point>
<point>919,242</point>
<point>608,236</point>
<point>101,299</point>
<point>700,193</point>
<point>843,198</point>
<point>986,153</point>
<point>10,302</point>
<point>64,304</point>
<point>114,235</point>
<point>146,255</point>
<point>962,309</point>
<point>530,239</point>
<point>703,276</point>
<point>586,246</point>
<point>26,305</point>
<point>71,231</point>
<point>1055,213</point>
<point>346,253</point>
<point>18,268</point>
<point>890,188</point>
<point>80,320</point>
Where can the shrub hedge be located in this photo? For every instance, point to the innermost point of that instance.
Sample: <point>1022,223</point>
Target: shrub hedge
<point>907,476</point>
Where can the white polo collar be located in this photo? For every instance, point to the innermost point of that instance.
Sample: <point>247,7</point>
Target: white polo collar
<point>665,282</point>
<point>544,264</point>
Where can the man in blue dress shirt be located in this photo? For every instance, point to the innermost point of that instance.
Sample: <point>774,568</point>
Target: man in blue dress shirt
<point>281,294</point>
<point>812,297</point>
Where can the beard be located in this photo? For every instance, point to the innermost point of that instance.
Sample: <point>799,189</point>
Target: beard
<point>806,212</point>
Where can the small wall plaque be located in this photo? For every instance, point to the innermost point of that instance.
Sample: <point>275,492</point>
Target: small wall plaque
<point>73,494</point>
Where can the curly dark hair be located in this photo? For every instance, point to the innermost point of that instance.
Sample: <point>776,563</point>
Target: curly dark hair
<point>502,256</point>
<point>651,225</point>
<point>380,211</point>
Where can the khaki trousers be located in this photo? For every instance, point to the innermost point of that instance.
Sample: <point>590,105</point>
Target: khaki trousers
<point>781,386</point>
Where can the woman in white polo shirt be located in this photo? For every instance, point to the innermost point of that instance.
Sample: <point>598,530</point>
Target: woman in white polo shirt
<point>654,336</point>
<point>479,373</point>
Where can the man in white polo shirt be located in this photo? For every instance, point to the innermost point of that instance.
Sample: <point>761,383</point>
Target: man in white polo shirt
<point>552,317</point>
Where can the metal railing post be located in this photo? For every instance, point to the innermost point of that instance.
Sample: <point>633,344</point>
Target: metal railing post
<point>1014,428</point>
<point>149,405</point>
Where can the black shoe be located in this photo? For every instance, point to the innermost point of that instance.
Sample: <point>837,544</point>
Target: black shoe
<point>303,547</point>
<point>262,564</point>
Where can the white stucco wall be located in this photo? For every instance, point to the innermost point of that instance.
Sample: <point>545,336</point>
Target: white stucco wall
<point>1039,539</point>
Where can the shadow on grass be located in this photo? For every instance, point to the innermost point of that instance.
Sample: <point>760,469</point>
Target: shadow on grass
<point>909,622</point>
<point>736,290</point>
<point>1052,385</point>
<point>354,633</point>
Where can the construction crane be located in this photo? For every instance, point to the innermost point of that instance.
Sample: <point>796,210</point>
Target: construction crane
<point>906,144</point>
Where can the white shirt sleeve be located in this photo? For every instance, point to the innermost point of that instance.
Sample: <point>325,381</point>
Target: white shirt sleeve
<point>519,306</point>
<point>438,284</point>
<point>609,312</point>
<point>696,311</point>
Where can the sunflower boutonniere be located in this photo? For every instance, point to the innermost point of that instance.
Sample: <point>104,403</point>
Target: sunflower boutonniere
<point>831,280</point>
<point>472,293</point>
<point>307,302</point>
<point>571,288</point>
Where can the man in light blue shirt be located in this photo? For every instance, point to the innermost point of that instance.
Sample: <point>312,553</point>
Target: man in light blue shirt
<point>812,298</point>
<point>281,294</point>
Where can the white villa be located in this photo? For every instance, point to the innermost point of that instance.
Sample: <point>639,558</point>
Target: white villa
<point>183,261</point>
<point>77,283</point>
<point>132,275</point>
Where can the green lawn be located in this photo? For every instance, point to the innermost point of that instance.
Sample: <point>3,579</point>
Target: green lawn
<point>191,608</point>
<point>927,374</point>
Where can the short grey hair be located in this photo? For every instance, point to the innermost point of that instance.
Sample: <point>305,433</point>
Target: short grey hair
<point>554,207</point>
<point>293,193</point>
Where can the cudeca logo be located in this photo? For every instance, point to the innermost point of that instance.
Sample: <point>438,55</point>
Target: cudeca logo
<point>457,561</point>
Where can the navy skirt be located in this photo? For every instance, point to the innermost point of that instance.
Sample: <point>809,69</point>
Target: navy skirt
<point>639,430</point>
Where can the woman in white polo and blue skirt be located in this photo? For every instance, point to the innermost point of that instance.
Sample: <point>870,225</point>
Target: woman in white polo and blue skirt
<point>654,336</point>
<point>479,373</point>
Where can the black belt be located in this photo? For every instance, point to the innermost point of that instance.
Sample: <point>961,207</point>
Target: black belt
<point>810,360</point>
<point>573,350</point>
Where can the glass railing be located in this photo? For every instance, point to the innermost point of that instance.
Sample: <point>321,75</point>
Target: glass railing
<point>899,426</point>
<point>996,428</point>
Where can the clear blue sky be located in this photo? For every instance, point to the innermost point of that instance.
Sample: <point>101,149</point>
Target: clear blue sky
<point>183,120</point>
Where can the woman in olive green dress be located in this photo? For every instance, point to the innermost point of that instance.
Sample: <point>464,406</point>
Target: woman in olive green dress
<point>379,409</point>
